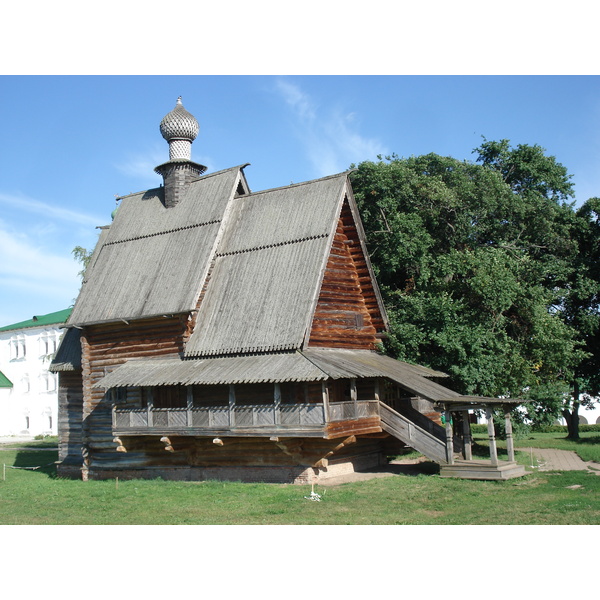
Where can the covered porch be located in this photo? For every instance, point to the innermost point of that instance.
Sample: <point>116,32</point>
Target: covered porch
<point>313,393</point>
<point>466,467</point>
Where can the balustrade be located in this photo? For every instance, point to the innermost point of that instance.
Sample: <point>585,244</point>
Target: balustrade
<point>257,416</point>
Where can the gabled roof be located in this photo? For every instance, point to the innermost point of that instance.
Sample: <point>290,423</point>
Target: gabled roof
<point>259,257</point>
<point>55,318</point>
<point>268,268</point>
<point>153,260</point>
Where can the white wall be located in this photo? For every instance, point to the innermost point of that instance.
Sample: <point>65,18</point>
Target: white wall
<point>30,407</point>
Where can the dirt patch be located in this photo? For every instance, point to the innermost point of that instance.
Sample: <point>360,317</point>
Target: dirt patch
<point>406,467</point>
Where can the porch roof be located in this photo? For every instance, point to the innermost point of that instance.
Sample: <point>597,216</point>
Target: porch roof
<point>308,365</point>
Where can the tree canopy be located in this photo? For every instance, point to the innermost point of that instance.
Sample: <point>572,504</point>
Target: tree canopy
<point>480,264</point>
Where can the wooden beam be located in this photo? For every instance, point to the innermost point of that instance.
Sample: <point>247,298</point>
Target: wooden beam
<point>491,435</point>
<point>231,405</point>
<point>277,403</point>
<point>167,442</point>
<point>325,394</point>
<point>510,447</point>
<point>467,452</point>
<point>449,438</point>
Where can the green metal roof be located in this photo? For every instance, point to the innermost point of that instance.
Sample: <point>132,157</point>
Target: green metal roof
<point>54,318</point>
<point>5,382</point>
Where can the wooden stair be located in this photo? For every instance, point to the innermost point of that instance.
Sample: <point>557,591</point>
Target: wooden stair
<point>428,438</point>
<point>482,469</point>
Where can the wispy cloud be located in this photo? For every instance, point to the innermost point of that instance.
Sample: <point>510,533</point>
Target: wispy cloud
<point>49,211</point>
<point>331,136</point>
<point>29,269</point>
<point>141,165</point>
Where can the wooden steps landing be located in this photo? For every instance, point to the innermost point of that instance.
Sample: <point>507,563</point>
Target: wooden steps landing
<point>482,469</point>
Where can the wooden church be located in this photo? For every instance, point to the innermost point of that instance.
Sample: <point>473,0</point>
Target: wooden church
<point>227,334</point>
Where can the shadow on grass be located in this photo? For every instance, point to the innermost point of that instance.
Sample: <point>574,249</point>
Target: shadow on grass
<point>483,451</point>
<point>588,440</point>
<point>36,460</point>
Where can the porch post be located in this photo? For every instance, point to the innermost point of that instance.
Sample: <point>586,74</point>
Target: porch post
<point>150,406</point>
<point>325,393</point>
<point>491,435</point>
<point>190,404</point>
<point>353,396</point>
<point>277,404</point>
<point>449,437</point>
<point>467,436</point>
<point>231,405</point>
<point>510,447</point>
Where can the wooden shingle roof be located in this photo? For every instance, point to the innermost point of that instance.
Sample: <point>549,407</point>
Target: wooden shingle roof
<point>261,255</point>
<point>267,270</point>
<point>68,355</point>
<point>306,365</point>
<point>153,260</point>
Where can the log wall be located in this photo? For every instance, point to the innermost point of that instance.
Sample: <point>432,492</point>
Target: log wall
<point>70,402</point>
<point>106,346</point>
<point>241,459</point>
<point>347,314</point>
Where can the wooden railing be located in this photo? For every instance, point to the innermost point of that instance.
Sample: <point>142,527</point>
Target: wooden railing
<point>240,416</point>
<point>343,411</point>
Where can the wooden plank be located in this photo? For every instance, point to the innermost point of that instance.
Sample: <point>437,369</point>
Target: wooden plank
<point>491,435</point>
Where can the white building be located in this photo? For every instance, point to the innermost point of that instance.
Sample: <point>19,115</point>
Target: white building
<point>28,391</point>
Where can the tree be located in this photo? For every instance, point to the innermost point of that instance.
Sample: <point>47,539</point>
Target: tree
<point>473,260</point>
<point>582,311</point>
<point>82,256</point>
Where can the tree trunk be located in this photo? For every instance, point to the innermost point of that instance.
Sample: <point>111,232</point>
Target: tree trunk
<point>572,416</point>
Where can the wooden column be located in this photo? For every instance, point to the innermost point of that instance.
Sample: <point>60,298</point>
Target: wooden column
<point>277,404</point>
<point>491,435</point>
<point>325,393</point>
<point>150,406</point>
<point>231,405</point>
<point>449,438</point>
<point>467,453</point>
<point>353,396</point>
<point>510,447</point>
<point>190,404</point>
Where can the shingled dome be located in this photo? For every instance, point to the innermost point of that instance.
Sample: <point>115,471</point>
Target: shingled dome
<point>179,124</point>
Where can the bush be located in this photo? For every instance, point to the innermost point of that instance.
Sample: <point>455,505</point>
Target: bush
<point>563,428</point>
<point>519,430</point>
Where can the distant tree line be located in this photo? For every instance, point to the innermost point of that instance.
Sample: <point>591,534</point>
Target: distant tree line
<point>489,272</point>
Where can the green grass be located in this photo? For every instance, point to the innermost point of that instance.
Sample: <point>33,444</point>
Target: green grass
<point>38,497</point>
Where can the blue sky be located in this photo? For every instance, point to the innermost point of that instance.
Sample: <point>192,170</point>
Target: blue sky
<point>71,144</point>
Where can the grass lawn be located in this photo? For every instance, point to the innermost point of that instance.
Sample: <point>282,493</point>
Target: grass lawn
<point>38,497</point>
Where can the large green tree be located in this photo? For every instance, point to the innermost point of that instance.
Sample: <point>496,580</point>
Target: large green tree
<point>581,309</point>
<point>473,261</point>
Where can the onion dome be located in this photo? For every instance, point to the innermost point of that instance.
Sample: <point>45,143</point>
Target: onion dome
<point>180,129</point>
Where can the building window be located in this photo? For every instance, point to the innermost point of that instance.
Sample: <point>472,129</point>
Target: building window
<point>18,348</point>
<point>48,382</point>
<point>48,343</point>
<point>25,384</point>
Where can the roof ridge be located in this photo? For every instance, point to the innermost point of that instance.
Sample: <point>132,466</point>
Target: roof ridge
<point>293,185</point>
<point>206,176</point>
